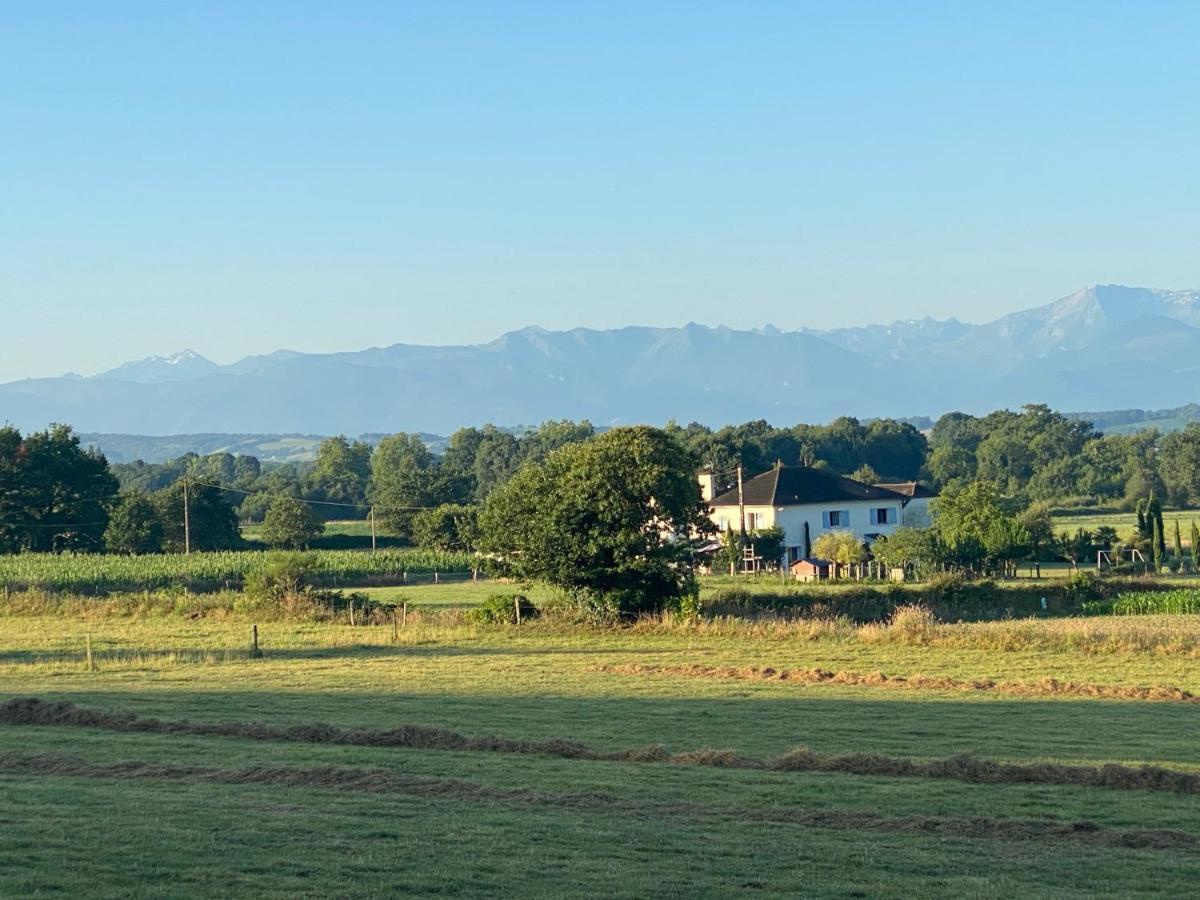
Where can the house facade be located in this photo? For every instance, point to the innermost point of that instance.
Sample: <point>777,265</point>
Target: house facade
<point>807,502</point>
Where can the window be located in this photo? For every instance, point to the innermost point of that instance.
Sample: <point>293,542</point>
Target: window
<point>722,524</point>
<point>836,518</point>
<point>752,521</point>
<point>883,515</point>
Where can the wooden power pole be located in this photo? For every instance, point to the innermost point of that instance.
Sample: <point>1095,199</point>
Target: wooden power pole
<point>187,524</point>
<point>741,503</point>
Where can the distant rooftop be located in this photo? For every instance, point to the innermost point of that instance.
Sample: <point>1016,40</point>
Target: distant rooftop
<point>797,485</point>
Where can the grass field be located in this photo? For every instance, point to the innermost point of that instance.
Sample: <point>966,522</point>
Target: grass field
<point>1125,522</point>
<point>109,806</point>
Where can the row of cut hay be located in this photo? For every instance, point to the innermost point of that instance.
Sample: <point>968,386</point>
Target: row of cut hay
<point>32,711</point>
<point>1047,687</point>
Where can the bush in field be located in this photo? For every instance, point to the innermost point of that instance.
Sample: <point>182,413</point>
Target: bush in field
<point>913,624</point>
<point>501,609</point>
<point>283,576</point>
<point>1081,586</point>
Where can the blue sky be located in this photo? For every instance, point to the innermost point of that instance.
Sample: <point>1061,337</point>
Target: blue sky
<point>239,177</point>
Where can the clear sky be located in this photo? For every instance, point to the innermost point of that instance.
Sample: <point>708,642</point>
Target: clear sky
<point>239,177</point>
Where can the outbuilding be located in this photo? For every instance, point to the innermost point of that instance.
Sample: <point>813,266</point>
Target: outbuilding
<point>811,569</point>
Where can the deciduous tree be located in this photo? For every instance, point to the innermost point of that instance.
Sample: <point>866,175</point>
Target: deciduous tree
<point>290,524</point>
<point>606,520</point>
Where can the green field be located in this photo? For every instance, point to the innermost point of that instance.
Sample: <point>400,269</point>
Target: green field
<point>105,807</point>
<point>1125,522</point>
<point>214,571</point>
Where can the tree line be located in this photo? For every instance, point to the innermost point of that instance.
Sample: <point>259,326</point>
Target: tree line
<point>57,495</point>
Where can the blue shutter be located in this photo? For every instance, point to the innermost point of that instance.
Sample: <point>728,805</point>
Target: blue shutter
<point>825,519</point>
<point>874,516</point>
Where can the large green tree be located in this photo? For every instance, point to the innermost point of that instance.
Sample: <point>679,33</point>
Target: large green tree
<point>907,548</point>
<point>212,521</point>
<point>406,478</point>
<point>607,520</point>
<point>451,526</point>
<point>134,526</point>
<point>290,523</point>
<point>54,494</point>
<point>341,474</point>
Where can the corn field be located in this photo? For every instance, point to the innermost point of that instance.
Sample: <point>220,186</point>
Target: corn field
<point>202,572</point>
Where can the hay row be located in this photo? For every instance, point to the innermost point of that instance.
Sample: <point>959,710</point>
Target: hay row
<point>1047,687</point>
<point>31,711</point>
<point>375,780</point>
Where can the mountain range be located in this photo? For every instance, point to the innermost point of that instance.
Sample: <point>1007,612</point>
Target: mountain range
<point>1104,347</point>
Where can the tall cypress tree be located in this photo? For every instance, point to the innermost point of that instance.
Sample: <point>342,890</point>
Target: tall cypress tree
<point>1178,547</point>
<point>1160,532</point>
<point>1195,547</point>
<point>1157,545</point>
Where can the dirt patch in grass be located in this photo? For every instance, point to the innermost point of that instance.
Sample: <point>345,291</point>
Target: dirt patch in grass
<point>377,780</point>
<point>31,711</point>
<point>1047,687</point>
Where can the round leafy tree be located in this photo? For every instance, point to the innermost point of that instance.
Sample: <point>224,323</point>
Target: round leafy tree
<point>609,520</point>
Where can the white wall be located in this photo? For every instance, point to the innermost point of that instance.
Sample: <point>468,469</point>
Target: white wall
<point>917,514</point>
<point>792,518</point>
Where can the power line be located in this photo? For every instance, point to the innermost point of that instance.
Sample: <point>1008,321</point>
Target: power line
<point>316,502</point>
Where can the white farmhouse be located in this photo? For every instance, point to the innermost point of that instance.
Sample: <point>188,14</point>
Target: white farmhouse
<point>807,502</point>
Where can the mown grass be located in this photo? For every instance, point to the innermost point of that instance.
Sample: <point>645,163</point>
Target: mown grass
<point>587,826</point>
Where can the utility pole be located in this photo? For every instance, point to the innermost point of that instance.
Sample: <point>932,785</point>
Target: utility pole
<point>372,529</point>
<point>741,523</point>
<point>741,503</point>
<point>187,524</point>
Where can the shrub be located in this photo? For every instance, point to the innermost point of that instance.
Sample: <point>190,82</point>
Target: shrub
<point>1082,586</point>
<point>283,576</point>
<point>501,609</point>
<point>913,624</point>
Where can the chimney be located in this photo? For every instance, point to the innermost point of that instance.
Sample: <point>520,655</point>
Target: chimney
<point>708,485</point>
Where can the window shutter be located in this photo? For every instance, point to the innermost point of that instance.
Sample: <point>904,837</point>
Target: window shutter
<point>874,516</point>
<point>844,519</point>
<point>825,519</point>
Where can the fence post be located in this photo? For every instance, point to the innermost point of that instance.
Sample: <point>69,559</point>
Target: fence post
<point>255,653</point>
<point>474,574</point>
<point>435,581</point>
<point>395,626</point>
<point>404,612</point>
<point>517,606</point>
<point>351,612</point>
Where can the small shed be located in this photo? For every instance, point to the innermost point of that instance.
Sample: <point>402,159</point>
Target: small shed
<point>809,568</point>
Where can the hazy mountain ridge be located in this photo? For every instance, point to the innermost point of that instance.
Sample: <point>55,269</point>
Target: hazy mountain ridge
<point>1104,347</point>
